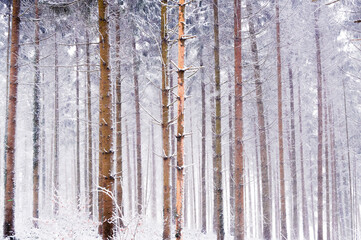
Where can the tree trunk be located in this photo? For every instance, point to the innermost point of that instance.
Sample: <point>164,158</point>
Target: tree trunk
<point>203,164</point>
<point>77,127</point>
<point>9,201</point>
<point>172,141</point>
<point>165,123</point>
<point>293,159</point>
<point>106,180</point>
<point>36,121</point>
<point>90,131</point>
<point>180,120</point>
<point>118,119</point>
<point>137,123</point>
<point>306,233</point>
<point>129,171</point>
<point>56,131</point>
<point>319,117</point>
<point>349,162</point>
<point>327,164</point>
<point>7,80</point>
<point>218,158</point>
<point>266,201</point>
<point>238,126</point>
<point>280,126</point>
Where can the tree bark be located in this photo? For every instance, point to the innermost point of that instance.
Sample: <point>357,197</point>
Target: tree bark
<point>180,120</point>
<point>90,131</point>
<point>293,159</point>
<point>137,123</point>
<point>266,201</point>
<point>118,119</point>
<point>9,201</point>
<point>36,121</point>
<point>218,158</point>
<point>203,164</point>
<point>238,126</point>
<point>77,127</point>
<point>106,180</point>
<point>56,131</point>
<point>280,127</point>
<point>319,131</point>
<point>306,233</point>
<point>167,217</point>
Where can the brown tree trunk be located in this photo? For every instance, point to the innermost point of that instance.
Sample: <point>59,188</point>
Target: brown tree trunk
<point>280,126</point>
<point>319,117</point>
<point>9,201</point>
<point>167,217</point>
<point>238,125</point>
<point>106,180</point>
<point>306,233</point>
<point>36,121</point>
<point>173,145</point>
<point>218,158</point>
<point>118,119</point>
<point>7,79</point>
<point>293,160</point>
<point>90,131</point>
<point>266,201</point>
<point>180,120</point>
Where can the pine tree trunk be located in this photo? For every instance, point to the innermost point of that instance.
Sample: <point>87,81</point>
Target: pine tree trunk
<point>203,164</point>
<point>167,217</point>
<point>319,131</point>
<point>327,162</point>
<point>137,123</point>
<point>180,120</point>
<point>90,131</point>
<point>306,233</point>
<point>129,171</point>
<point>7,80</point>
<point>56,132</point>
<point>266,201</point>
<point>349,162</point>
<point>77,127</point>
<point>238,126</point>
<point>154,176</point>
<point>293,159</point>
<point>173,145</point>
<point>36,121</point>
<point>9,201</point>
<point>218,158</point>
<point>280,126</point>
<point>118,120</point>
<point>106,180</point>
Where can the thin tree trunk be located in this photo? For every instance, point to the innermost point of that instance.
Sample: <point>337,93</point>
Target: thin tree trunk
<point>129,170</point>
<point>106,180</point>
<point>137,123</point>
<point>36,121</point>
<point>90,131</point>
<point>280,126</point>
<point>56,131</point>
<point>348,161</point>
<point>231,158</point>
<point>293,159</point>
<point>43,146</point>
<point>213,127</point>
<point>9,201</point>
<point>319,117</point>
<point>203,166</point>
<point>165,124</point>
<point>7,81</point>
<point>77,127</point>
<point>238,126</point>
<point>306,233</point>
<point>327,162</point>
<point>218,158</point>
<point>154,176</point>
<point>172,141</point>
<point>266,201</point>
<point>180,120</point>
<point>118,120</point>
